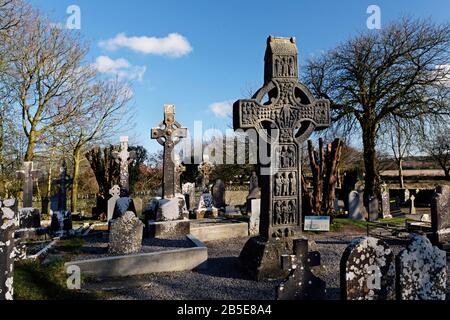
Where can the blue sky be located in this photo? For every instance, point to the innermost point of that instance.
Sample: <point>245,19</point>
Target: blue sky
<point>217,52</point>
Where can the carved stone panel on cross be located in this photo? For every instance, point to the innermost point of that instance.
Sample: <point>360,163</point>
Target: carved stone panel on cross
<point>124,158</point>
<point>169,134</point>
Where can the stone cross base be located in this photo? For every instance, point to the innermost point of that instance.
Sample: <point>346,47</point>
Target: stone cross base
<point>61,224</point>
<point>168,229</point>
<point>206,213</point>
<point>262,259</point>
<point>29,218</point>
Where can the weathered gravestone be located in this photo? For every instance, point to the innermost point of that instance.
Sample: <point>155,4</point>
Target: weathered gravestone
<point>254,192</point>
<point>412,206</point>
<point>188,190</point>
<point>179,170</point>
<point>440,215</point>
<point>125,236</point>
<point>355,206</point>
<point>62,218</point>
<point>301,283</point>
<point>367,271</point>
<point>115,195</point>
<point>170,212</point>
<point>255,214</point>
<point>218,193</point>
<point>421,271</point>
<point>8,224</point>
<point>138,205</point>
<point>124,158</point>
<point>206,208</point>
<point>283,123</point>
<point>373,208</point>
<point>385,202</point>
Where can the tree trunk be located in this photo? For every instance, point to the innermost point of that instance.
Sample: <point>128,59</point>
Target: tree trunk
<point>371,179</point>
<point>30,148</point>
<point>334,152</point>
<point>76,172</point>
<point>316,161</point>
<point>49,185</point>
<point>400,174</point>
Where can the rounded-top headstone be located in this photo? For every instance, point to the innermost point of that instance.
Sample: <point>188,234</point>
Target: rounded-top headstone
<point>421,271</point>
<point>367,270</point>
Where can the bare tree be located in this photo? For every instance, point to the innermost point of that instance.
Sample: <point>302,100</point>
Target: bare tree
<point>434,140</point>
<point>376,75</point>
<point>102,108</point>
<point>398,136</point>
<point>44,71</point>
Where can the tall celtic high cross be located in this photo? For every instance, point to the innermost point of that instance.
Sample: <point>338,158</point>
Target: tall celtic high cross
<point>169,134</point>
<point>291,115</point>
<point>124,158</point>
<point>28,174</point>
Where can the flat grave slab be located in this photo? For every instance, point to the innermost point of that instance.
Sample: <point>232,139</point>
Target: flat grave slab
<point>218,229</point>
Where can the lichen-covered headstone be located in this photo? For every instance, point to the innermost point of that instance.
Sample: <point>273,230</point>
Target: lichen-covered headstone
<point>206,208</point>
<point>385,203</point>
<point>421,271</point>
<point>8,224</point>
<point>440,214</point>
<point>125,236</point>
<point>367,270</point>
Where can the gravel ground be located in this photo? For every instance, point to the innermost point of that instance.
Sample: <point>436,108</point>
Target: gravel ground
<point>223,279</point>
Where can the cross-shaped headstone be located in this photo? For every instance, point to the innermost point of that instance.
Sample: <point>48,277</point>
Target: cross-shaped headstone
<point>124,158</point>
<point>64,181</point>
<point>205,169</point>
<point>28,174</point>
<point>169,134</point>
<point>293,114</point>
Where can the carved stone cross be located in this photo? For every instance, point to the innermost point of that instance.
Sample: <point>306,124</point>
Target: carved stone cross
<point>169,134</point>
<point>283,123</point>
<point>205,169</point>
<point>124,158</point>
<point>28,174</point>
<point>294,114</point>
<point>64,181</point>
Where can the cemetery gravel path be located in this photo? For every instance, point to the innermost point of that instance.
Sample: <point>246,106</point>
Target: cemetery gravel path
<point>223,279</point>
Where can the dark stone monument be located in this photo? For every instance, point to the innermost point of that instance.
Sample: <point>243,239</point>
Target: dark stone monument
<point>29,218</point>
<point>373,208</point>
<point>169,134</point>
<point>302,284</point>
<point>218,193</point>
<point>124,158</point>
<point>125,236</point>
<point>169,214</point>
<point>421,271</point>
<point>61,217</point>
<point>367,270</point>
<point>285,122</point>
<point>440,215</point>
<point>9,222</point>
<point>28,174</point>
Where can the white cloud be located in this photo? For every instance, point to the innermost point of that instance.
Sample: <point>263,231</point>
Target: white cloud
<point>120,68</point>
<point>174,45</point>
<point>222,109</point>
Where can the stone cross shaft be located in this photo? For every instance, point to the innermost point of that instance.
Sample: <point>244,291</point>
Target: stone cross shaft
<point>169,134</point>
<point>205,169</point>
<point>28,174</point>
<point>64,181</point>
<point>124,158</point>
<point>293,114</point>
